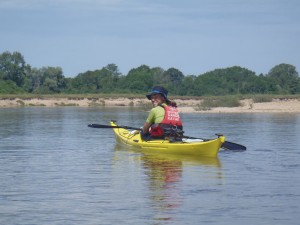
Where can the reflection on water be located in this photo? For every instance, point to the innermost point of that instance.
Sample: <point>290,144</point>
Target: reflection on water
<point>164,173</point>
<point>164,177</point>
<point>158,156</point>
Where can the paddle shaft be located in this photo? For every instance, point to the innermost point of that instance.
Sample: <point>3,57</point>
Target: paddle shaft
<point>112,127</point>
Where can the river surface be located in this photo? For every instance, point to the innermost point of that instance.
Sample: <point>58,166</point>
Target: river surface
<point>56,170</point>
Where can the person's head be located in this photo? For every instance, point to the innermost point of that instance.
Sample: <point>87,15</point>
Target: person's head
<point>158,95</point>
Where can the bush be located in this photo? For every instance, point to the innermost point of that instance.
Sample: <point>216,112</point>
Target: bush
<point>226,101</point>
<point>9,87</point>
<point>262,98</point>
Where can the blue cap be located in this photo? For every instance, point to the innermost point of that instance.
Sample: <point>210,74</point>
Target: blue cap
<point>158,90</point>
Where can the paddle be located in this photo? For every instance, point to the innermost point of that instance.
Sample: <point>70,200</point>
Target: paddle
<point>108,126</point>
<point>226,145</point>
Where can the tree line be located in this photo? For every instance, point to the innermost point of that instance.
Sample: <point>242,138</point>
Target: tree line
<point>16,76</point>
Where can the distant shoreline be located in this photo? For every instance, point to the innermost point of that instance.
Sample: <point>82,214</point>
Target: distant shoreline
<point>184,105</point>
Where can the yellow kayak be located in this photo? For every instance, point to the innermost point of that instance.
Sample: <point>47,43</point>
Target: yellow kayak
<point>192,147</point>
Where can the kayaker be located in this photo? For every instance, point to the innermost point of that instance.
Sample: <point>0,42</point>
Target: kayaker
<point>163,119</point>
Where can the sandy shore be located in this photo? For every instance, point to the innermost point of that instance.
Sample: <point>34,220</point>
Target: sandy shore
<point>186,106</point>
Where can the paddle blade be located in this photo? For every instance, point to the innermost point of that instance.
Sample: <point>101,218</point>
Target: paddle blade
<point>233,146</point>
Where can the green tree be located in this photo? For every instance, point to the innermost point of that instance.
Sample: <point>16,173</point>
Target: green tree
<point>187,86</point>
<point>34,80</point>
<point>232,80</point>
<point>13,67</point>
<point>84,83</point>
<point>138,80</point>
<point>99,81</point>
<point>285,78</point>
<point>9,87</point>
<point>172,79</point>
<point>45,80</point>
<point>158,74</point>
<point>113,69</point>
<point>257,85</point>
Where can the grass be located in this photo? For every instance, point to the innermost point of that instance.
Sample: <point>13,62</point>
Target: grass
<point>21,102</point>
<point>221,101</point>
<point>65,104</point>
<point>36,105</point>
<point>262,98</point>
<point>95,102</point>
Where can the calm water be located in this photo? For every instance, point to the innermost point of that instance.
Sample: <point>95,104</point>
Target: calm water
<point>56,170</point>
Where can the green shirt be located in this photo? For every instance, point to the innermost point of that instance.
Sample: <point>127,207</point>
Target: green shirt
<point>156,115</point>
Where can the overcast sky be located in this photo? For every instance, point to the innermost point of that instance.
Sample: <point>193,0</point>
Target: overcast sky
<point>193,36</point>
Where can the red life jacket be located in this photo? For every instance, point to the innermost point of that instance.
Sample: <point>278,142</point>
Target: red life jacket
<point>171,119</point>
<point>171,116</point>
